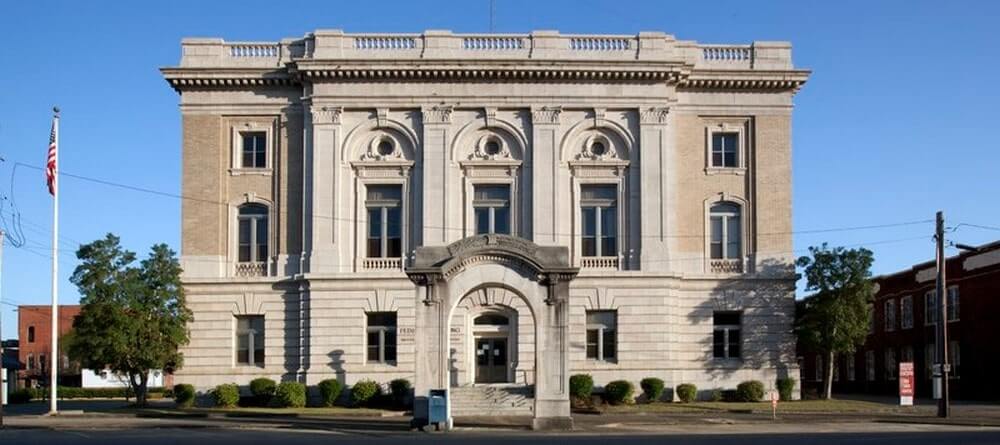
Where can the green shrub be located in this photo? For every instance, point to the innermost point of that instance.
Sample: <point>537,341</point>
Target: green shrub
<point>581,386</point>
<point>619,392</point>
<point>289,395</point>
<point>365,392</point>
<point>785,388</point>
<point>23,395</point>
<point>750,391</point>
<point>687,392</point>
<point>716,395</point>
<point>262,390</point>
<point>226,395</point>
<point>329,391</point>
<point>184,395</point>
<point>652,388</point>
<point>400,390</point>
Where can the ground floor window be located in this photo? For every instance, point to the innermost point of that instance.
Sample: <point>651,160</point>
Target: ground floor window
<point>954,358</point>
<point>818,374</point>
<point>602,329</point>
<point>250,340</point>
<point>850,368</point>
<point>381,337</point>
<point>726,330</point>
<point>870,365</point>
<point>890,364</point>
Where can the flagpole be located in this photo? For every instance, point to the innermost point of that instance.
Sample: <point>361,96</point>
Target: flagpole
<point>54,354</point>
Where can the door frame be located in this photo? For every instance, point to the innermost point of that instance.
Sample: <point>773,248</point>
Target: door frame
<point>508,332</point>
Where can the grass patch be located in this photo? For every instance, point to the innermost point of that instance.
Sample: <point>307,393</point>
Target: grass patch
<point>798,406</point>
<point>334,411</point>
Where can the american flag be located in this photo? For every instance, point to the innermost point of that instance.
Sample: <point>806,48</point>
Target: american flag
<point>50,162</point>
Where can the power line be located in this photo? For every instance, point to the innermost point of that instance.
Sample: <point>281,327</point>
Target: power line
<point>460,229</point>
<point>978,226</point>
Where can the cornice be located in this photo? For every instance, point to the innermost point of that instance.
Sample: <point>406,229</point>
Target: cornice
<point>745,80</point>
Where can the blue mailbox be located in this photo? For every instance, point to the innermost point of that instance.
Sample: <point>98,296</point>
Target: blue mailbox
<point>438,407</point>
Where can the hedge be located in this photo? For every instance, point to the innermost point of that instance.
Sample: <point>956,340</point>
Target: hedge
<point>750,391</point>
<point>785,388</point>
<point>262,389</point>
<point>184,395</point>
<point>226,395</point>
<point>687,392</point>
<point>72,392</point>
<point>329,391</point>
<point>289,395</point>
<point>581,386</point>
<point>23,395</point>
<point>400,390</point>
<point>652,387</point>
<point>365,392</point>
<point>618,392</point>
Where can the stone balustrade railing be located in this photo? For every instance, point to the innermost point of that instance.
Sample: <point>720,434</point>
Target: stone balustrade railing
<point>650,47</point>
<point>726,266</point>
<point>600,262</point>
<point>382,264</point>
<point>251,269</point>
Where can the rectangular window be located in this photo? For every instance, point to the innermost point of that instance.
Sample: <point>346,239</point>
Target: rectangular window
<point>491,206</point>
<point>906,354</point>
<point>725,234</point>
<point>906,312</point>
<point>385,221</point>
<point>250,340</point>
<point>42,363</point>
<point>252,233</point>
<point>930,308</point>
<point>381,333</point>
<point>870,365</point>
<point>954,358</point>
<point>890,364</point>
<point>953,303</point>
<point>602,335</point>
<point>818,373</point>
<point>31,362</point>
<point>836,369</point>
<point>850,368</point>
<point>871,319</point>
<point>890,315</point>
<point>31,334</point>
<point>599,220</point>
<point>726,338</point>
<point>254,149</point>
<point>725,149</point>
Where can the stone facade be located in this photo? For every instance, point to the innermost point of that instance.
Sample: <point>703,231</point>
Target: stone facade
<point>439,117</point>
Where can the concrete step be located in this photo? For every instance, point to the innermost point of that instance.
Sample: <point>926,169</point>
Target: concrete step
<point>488,400</point>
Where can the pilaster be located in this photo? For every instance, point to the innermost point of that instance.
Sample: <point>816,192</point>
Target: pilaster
<point>435,223</point>
<point>321,172</point>
<point>545,165</point>
<point>655,200</point>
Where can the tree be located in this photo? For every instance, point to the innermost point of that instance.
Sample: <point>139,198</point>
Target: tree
<point>133,317</point>
<point>835,318</point>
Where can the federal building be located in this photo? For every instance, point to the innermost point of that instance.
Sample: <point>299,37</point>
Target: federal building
<point>487,213</point>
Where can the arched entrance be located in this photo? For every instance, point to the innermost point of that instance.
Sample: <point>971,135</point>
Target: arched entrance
<point>502,279</point>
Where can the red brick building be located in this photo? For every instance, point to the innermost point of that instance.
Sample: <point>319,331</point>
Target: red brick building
<point>34,332</point>
<point>903,329</point>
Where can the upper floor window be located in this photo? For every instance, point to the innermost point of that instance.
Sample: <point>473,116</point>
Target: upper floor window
<point>254,149</point>
<point>491,205</point>
<point>599,218</point>
<point>602,328</point>
<point>953,304</point>
<point>890,364</point>
<point>31,334</point>
<point>250,340</point>
<point>253,234</point>
<point>725,149</point>
<point>906,312</point>
<point>726,329</point>
<point>385,221</point>
<point>381,341</point>
<point>930,308</point>
<point>890,315</point>
<point>726,235</point>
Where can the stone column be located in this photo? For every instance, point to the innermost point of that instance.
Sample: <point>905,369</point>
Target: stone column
<point>322,162</point>
<point>656,202</point>
<point>552,409</point>
<point>434,222</point>
<point>545,162</point>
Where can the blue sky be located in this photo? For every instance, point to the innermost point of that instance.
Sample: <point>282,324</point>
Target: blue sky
<point>895,123</point>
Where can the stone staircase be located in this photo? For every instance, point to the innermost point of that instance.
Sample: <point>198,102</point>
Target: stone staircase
<point>491,400</point>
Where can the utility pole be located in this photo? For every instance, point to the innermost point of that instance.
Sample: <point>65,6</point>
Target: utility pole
<point>942,369</point>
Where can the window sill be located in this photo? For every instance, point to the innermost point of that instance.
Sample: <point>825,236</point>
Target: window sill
<point>380,364</point>
<point>726,362</point>
<point>739,171</point>
<point>250,171</point>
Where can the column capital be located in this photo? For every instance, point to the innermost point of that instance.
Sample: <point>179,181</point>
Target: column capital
<point>654,115</point>
<point>545,115</point>
<point>326,115</point>
<point>437,115</point>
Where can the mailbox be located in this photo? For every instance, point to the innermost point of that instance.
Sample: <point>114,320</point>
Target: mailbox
<point>437,412</point>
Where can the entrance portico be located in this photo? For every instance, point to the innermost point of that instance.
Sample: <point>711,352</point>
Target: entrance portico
<point>493,279</point>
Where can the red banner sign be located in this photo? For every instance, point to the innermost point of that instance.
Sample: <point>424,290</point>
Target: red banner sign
<point>906,382</point>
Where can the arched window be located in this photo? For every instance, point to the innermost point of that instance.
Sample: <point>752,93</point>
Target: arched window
<point>491,319</point>
<point>726,233</point>
<point>252,220</point>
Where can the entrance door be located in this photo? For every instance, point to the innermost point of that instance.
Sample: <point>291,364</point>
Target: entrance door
<point>491,360</point>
